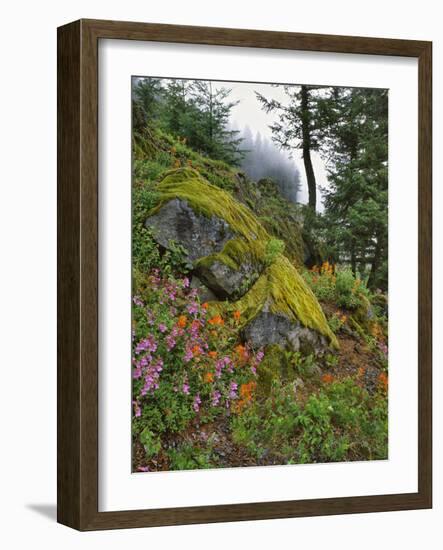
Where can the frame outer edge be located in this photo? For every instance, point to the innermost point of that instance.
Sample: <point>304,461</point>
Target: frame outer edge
<point>425,273</point>
<point>89,274</point>
<point>68,275</point>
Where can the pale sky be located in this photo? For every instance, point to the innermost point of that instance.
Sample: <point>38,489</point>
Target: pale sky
<point>249,113</point>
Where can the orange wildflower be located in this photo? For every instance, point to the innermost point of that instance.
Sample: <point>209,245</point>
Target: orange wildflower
<point>205,305</point>
<point>327,378</point>
<point>212,354</point>
<point>242,351</point>
<point>217,320</point>
<point>361,371</point>
<point>327,268</point>
<point>196,350</point>
<point>182,320</point>
<point>236,315</point>
<point>383,380</point>
<point>246,390</point>
<point>208,377</point>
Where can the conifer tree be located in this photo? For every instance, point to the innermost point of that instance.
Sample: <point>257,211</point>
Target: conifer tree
<point>147,94</point>
<point>210,126</point>
<point>297,127</point>
<point>356,202</point>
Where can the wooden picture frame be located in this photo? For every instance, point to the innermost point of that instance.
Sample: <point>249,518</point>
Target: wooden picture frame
<point>77,481</point>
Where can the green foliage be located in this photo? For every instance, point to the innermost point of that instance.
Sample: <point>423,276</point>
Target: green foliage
<point>335,322</point>
<point>285,367</point>
<point>340,422</point>
<point>274,247</point>
<point>345,286</point>
<point>322,284</point>
<point>338,285</point>
<point>146,96</point>
<point>150,442</point>
<point>195,111</point>
<point>356,201</point>
<point>191,457</point>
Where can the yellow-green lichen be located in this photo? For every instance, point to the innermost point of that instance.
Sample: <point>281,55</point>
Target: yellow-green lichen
<point>187,184</point>
<point>252,239</point>
<point>272,368</point>
<point>279,286</point>
<point>285,292</point>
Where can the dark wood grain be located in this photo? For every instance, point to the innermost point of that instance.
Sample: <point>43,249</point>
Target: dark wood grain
<point>425,273</point>
<point>78,270</point>
<point>68,276</point>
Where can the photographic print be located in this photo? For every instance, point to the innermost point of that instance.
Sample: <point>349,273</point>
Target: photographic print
<point>259,274</point>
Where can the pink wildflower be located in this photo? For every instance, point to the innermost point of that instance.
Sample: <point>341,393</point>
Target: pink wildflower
<point>196,404</point>
<point>215,398</point>
<point>233,390</point>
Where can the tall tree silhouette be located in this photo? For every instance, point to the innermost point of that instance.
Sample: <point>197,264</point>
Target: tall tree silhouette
<point>297,127</point>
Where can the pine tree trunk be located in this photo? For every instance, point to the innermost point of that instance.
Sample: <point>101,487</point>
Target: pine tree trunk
<point>310,178</point>
<point>306,146</point>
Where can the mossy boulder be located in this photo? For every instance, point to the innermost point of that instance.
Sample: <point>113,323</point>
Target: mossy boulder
<point>198,234</point>
<point>233,254</point>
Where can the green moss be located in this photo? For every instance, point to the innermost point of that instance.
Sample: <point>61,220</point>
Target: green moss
<point>270,369</point>
<point>252,239</point>
<point>284,289</point>
<point>357,327</point>
<point>280,286</point>
<point>187,184</point>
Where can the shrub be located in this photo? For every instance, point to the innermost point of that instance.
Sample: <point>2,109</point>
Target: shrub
<point>346,287</point>
<point>341,287</point>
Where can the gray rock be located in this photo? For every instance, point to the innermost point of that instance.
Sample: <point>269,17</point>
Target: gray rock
<point>204,293</point>
<point>270,328</point>
<point>371,378</point>
<point>198,234</point>
<point>227,282</point>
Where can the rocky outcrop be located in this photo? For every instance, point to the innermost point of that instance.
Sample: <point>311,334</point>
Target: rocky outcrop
<point>271,328</point>
<point>198,234</point>
<point>235,260</point>
<point>226,281</point>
